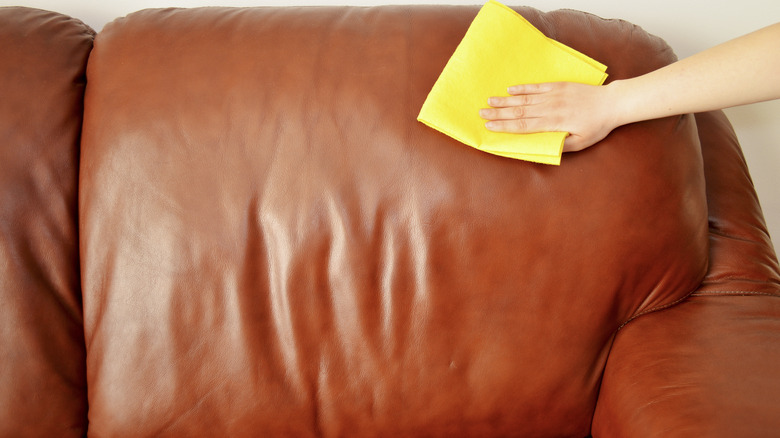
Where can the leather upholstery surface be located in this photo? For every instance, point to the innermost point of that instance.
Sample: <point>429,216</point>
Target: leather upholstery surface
<point>271,242</point>
<point>709,366</point>
<point>43,58</point>
<point>742,258</point>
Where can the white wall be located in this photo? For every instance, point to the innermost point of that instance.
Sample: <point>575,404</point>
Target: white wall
<point>687,25</point>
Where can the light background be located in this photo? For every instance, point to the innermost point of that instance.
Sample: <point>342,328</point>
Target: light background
<point>688,26</point>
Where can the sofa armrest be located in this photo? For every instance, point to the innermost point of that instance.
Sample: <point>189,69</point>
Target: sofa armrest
<point>707,367</point>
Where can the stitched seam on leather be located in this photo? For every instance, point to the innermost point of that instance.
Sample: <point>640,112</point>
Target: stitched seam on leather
<point>732,277</point>
<point>732,293</point>
<point>699,294</point>
<point>722,233</point>
<point>654,309</point>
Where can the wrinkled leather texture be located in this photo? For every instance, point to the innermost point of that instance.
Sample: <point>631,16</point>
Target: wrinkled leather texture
<point>42,355</point>
<point>271,242</point>
<point>709,366</point>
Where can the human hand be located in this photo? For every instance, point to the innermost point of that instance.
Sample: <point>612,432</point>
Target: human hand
<point>584,111</point>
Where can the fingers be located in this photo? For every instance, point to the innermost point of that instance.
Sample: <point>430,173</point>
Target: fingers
<point>506,101</point>
<point>525,110</point>
<point>524,94</point>
<point>515,126</point>
<point>526,89</point>
<point>515,119</point>
<point>516,114</point>
<point>506,113</point>
<point>509,107</point>
<point>574,143</point>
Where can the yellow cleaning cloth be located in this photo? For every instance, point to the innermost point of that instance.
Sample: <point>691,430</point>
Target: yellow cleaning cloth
<point>501,49</point>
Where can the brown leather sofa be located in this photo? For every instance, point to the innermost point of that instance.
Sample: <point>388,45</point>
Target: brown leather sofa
<point>227,222</point>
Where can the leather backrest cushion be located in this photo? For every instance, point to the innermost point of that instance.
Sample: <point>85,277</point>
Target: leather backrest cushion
<point>272,242</point>
<point>43,58</point>
<point>742,258</point>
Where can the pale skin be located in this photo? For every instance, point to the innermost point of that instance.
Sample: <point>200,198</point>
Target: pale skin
<point>741,71</point>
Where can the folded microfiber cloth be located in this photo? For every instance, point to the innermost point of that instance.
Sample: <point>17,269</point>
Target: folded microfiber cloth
<point>501,49</point>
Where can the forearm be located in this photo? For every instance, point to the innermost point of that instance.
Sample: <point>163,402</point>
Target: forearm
<point>741,71</point>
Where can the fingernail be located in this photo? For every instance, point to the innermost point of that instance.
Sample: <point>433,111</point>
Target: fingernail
<point>492,101</point>
<point>490,125</point>
<point>483,113</point>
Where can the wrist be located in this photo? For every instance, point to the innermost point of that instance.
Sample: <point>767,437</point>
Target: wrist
<point>615,98</point>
